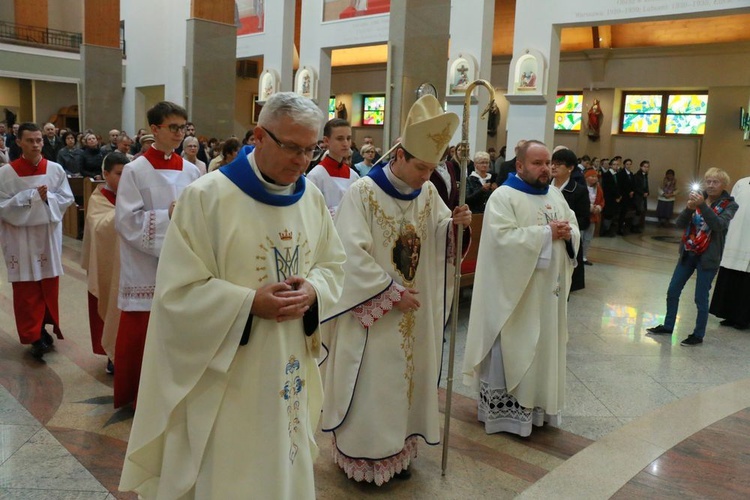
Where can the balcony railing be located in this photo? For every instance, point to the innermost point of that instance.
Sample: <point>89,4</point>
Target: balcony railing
<point>43,37</point>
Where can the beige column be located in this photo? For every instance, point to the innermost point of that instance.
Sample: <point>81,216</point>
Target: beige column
<point>210,67</point>
<point>100,94</point>
<point>418,51</point>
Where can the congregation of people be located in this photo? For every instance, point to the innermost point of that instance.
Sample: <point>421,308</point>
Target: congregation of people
<point>245,291</point>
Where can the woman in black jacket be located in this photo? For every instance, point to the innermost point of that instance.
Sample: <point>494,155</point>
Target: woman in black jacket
<point>91,157</point>
<point>577,196</point>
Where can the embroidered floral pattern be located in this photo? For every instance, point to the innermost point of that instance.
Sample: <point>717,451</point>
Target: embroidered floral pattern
<point>406,328</point>
<point>377,471</point>
<point>291,394</point>
<point>138,292</point>
<point>451,251</point>
<point>375,308</point>
<point>149,234</point>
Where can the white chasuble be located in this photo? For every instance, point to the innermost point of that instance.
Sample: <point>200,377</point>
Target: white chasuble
<point>520,294</point>
<point>216,419</point>
<point>30,228</point>
<point>737,245</point>
<point>381,376</point>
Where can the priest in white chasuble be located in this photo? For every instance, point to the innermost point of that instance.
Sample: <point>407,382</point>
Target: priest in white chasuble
<point>230,391</point>
<point>386,332</point>
<point>518,330</point>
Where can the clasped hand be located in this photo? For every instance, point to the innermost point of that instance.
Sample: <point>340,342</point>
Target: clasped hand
<point>408,301</point>
<point>560,230</point>
<point>284,301</point>
<point>462,215</point>
<point>42,190</point>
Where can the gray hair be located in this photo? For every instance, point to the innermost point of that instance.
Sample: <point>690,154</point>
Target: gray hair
<point>289,104</point>
<point>481,155</point>
<point>190,139</point>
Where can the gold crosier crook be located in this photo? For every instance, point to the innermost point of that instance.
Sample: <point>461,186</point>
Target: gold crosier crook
<point>463,154</point>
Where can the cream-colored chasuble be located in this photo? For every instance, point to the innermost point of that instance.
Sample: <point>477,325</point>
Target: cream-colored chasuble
<point>381,379</point>
<point>215,419</point>
<point>100,257</point>
<point>520,296</point>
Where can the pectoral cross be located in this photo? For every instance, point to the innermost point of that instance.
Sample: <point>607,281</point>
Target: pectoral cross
<point>13,261</point>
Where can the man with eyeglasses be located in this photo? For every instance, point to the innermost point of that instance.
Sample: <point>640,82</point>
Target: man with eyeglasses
<point>387,330</point>
<point>231,391</point>
<point>333,175</point>
<point>146,197</point>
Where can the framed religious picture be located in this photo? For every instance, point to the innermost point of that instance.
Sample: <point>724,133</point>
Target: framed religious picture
<point>257,106</point>
<point>462,71</point>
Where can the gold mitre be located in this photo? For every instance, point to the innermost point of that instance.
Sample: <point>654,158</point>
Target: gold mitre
<point>428,129</point>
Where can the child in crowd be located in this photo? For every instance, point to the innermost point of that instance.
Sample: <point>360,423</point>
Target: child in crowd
<point>100,258</point>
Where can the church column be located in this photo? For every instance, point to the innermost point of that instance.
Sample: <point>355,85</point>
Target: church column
<point>418,47</point>
<point>210,64</point>
<point>100,95</point>
<point>472,23</point>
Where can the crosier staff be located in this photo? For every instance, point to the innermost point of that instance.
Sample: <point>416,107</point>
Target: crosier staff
<point>464,160</point>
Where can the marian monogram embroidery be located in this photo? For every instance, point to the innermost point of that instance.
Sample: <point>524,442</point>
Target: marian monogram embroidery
<point>291,394</point>
<point>286,253</point>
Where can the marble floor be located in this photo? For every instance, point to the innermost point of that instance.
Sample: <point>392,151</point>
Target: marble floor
<point>644,417</point>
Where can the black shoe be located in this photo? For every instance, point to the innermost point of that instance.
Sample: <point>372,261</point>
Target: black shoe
<point>404,474</point>
<point>659,330</point>
<point>727,322</point>
<point>691,340</point>
<point>636,230</point>
<point>38,348</point>
<point>49,339</point>
<point>110,369</point>
<point>588,263</point>
<point>741,326</point>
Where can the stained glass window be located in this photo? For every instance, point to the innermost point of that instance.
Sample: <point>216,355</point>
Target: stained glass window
<point>664,113</point>
<point>331,108</point>
<point>686,114</point>
<point>568,111</point>
<point>373,110</point>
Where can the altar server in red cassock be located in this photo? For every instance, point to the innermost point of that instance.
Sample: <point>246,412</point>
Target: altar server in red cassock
<point>34,194</point>
<point>148,191</point>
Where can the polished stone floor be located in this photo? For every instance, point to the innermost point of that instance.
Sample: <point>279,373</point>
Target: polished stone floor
<point>644,417</point>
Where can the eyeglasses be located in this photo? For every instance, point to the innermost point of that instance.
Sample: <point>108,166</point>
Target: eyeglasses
<point>292,149</point>
<point>174,128</point>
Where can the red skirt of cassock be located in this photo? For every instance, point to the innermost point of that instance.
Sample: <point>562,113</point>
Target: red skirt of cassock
<point>35,305</point>
<point>96,325</point>
<point>131,337</point>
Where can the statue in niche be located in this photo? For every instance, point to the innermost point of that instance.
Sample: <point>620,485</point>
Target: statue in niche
<point>306,84</point>
<point>595,116</point>
<point>341,111</point>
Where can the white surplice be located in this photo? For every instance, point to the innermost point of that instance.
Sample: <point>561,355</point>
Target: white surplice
<point>142,218</point>
<point>30,229</point>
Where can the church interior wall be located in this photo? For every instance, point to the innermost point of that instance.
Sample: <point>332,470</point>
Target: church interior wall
<point>7,12</point>
<point>49,97</point>
<point>720,69</point>
<point>246,89</point>
<point>156,51</point>
<point>66,15</point>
